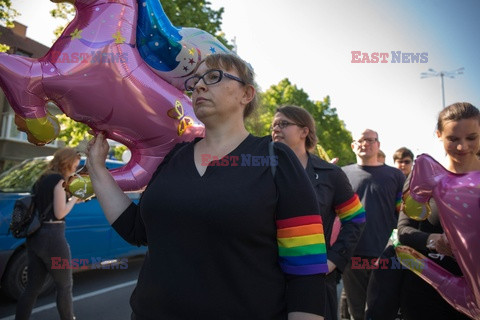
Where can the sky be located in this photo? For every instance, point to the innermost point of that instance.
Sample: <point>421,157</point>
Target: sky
<point>310,42</point>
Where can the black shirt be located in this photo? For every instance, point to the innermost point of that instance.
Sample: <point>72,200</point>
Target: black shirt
<point>44,194</point>
<point>380,190</point>
<point>212,239</point>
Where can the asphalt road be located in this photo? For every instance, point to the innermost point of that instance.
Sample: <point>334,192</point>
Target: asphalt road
<point>97,294</point>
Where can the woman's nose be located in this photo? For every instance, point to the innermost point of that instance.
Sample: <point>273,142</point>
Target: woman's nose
<point>461,146</point>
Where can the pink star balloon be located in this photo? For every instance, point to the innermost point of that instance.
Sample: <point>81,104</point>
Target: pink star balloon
<point>95,74</point>
<point>458,201</point>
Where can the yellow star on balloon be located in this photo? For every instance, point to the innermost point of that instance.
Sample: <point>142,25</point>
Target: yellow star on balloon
<point>77,34</point>
<point>118,37</point>
<point>191,51</point>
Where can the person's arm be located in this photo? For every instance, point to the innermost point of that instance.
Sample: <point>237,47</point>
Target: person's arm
<point>300,238</point>
<point>60,207</point>
<point>111,198</point>
<point>408,229</point>
<point>351,213</point>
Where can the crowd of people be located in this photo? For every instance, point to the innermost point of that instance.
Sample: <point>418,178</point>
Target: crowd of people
<point>270,241</point>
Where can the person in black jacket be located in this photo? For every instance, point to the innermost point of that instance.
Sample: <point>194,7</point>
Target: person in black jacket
<point>295,127</point>
<point>49,241</point>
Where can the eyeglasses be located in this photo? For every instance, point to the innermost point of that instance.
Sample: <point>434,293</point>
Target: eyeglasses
<point>210,77</point>
<point>404,161</point>
<point>366,141</point>
<point>282,124</point>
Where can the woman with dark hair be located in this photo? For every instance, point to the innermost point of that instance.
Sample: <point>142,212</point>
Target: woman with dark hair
<point>295,127</point>
<point>458,128</point>
<point>226,238</point>
<point>49,241</point>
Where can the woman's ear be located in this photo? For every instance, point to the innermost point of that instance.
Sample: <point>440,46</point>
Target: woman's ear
<point>439,135</point>
<point>249,94</point>
<point>305,132</point>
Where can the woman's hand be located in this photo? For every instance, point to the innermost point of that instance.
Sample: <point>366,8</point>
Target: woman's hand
<point>443,246</point>
<point>331,266</point>
<point>439,243</point>
<point>97,152</point>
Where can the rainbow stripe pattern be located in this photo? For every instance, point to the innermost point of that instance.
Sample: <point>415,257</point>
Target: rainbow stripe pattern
<point>301,245</point>
<point>351,210</point>
<point>398,202</point>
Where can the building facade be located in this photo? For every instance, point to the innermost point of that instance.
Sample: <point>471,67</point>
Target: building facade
<point>14,146</point>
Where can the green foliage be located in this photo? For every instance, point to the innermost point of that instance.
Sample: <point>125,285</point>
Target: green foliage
<point>331,132</point>
<point>64,11</point>
<point>22,177</point>
<point>196,14</point>
<point>7,14</point>
<point>72,132</point>
<point>118,151</point>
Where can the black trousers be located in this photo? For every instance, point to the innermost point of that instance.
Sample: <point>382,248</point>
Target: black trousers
<point>331,301</point>
<point>421,301</point>
<point>385,289</point>
<point>49,241</point>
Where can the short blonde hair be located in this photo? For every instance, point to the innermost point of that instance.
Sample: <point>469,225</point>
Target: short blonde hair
<point>229,61</point>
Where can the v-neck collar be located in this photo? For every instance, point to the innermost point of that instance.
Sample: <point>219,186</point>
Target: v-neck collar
<point>211,169</point>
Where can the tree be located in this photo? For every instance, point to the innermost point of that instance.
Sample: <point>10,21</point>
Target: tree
<point>185,13</point>
<point>331,132</point>
<point>64,11</point>
<point>196,14</point>
<point>7,14</point>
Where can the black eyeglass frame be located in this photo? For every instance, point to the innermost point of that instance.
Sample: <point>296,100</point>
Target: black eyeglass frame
<point>282,124</point>
<point>207,82</point>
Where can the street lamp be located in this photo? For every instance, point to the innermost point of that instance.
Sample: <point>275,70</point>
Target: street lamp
<point>450,74</point>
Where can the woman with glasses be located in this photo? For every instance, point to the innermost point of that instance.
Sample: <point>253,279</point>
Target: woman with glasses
<point>458,128</point>
<point>295,127</point>
<point>228,236</point>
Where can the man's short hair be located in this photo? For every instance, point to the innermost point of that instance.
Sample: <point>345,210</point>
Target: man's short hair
<point>401,153</point>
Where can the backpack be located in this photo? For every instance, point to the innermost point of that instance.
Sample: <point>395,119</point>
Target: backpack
<point>25,217</point>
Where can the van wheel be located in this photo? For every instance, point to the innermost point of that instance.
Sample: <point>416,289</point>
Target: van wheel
<point>15,277</point>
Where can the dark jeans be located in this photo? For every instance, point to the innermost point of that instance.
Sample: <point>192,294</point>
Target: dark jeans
<point>49,241</point>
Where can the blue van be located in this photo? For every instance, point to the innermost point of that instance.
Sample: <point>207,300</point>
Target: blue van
<point>92,240</point>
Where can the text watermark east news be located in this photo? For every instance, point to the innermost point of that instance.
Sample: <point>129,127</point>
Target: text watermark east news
<point>244,160</point>
<point>386,263</point>
<point>85,57</point>
<point>93,263</point>
<point>395,57</point>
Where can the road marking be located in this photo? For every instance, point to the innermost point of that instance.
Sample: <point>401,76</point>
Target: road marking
<point>80,297</point>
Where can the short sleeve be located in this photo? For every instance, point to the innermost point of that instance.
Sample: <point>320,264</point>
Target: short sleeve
<point>300,237</point>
